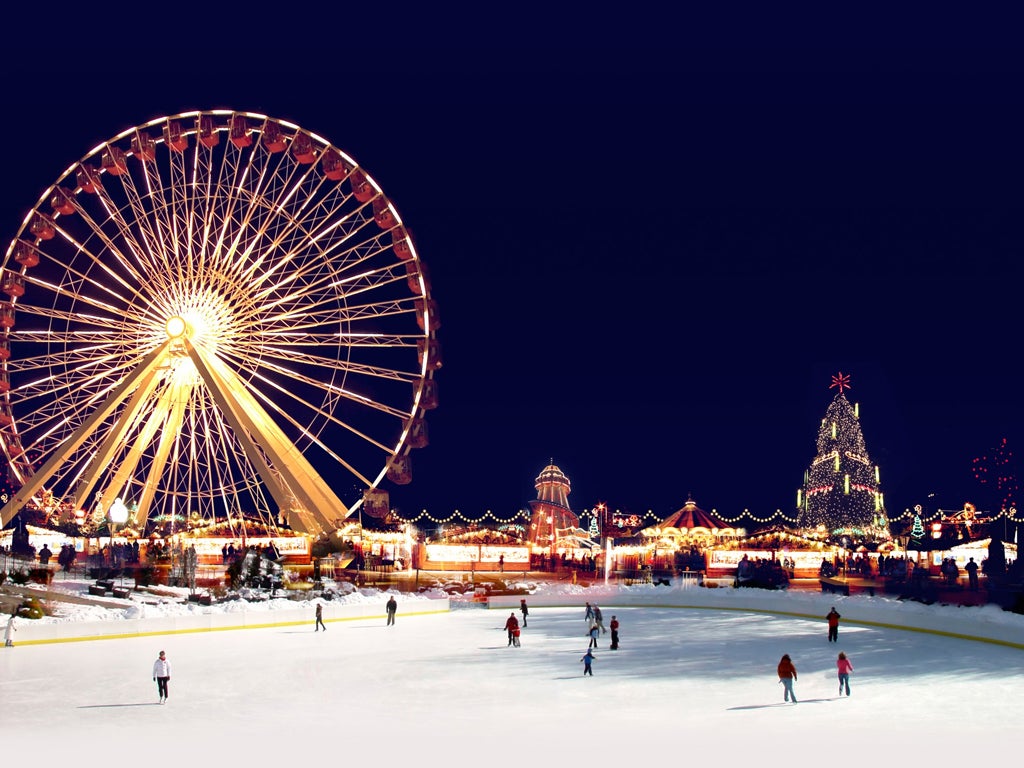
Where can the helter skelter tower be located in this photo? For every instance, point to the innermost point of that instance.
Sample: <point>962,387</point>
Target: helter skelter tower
<point>552,519</point>
<point>842,487</point>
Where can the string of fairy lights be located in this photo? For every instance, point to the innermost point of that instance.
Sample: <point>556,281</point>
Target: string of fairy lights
<point>777,517</point>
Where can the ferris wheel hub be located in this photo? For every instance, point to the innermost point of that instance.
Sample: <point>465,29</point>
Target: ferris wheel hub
<point>176,327</point>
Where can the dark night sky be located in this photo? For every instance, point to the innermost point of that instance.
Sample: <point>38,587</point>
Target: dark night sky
<point>650,251</point>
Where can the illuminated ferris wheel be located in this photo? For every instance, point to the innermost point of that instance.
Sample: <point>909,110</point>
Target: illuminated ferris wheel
<point>214,315</point>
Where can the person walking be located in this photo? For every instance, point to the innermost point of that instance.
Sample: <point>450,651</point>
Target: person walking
<point>599,618</point>
<point>392,608</point>
<point>9,632</point>
<point>615,633</point>
<point>833,625</point>
<point>524,610</point>
<point>589,615</point>
<point>162,675</point>
<point>594,633</point>
<point>844,667</point>
<point>972,575</point>
<point>320,618</point>
<point>588,661</point>
<point>787,676</point>
<point>511,626</point>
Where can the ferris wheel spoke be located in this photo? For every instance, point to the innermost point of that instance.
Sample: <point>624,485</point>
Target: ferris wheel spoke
<point>78,276</point>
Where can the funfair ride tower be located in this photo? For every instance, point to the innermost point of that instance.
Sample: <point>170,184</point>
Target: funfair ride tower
<point>552,519</point>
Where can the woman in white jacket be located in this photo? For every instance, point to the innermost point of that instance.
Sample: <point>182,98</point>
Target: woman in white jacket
<point>162,674</point>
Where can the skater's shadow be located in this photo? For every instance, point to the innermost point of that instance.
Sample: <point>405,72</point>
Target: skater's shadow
<point>111,706</point>
<point>777,704</point>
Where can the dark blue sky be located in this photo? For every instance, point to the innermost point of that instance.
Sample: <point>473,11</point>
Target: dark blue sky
<point>650,251</point>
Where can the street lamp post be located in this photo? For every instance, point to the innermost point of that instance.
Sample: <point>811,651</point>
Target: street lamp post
<point>117,514</point>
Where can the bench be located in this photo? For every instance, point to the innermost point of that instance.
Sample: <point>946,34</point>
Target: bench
<point>122,592</point>
<point>845,586</point>
<point>97,590</point>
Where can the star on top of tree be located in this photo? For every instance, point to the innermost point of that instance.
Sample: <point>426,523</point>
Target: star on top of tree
<point>840,380</point>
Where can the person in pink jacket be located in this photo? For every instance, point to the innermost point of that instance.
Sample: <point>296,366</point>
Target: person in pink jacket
<point>844,667</point>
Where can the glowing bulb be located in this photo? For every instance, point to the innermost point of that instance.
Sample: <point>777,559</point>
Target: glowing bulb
<point>175,327</point>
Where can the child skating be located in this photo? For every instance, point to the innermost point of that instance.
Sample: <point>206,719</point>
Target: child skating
<point>588,661</point>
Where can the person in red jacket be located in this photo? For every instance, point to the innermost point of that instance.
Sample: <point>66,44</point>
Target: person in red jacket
<point>844,668</point>
<point>511,626</point>
<point>787,676</point>
<point>833,625</point>
<point>615,633</point>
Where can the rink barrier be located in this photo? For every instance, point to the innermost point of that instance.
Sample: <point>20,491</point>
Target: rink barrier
<point>34,633</point>
<point>960,623</point>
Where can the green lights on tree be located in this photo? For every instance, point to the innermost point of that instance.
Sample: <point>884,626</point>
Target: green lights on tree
<point>841,487</point>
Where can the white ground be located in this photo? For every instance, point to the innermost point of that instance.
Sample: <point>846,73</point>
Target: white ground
<point>687,684</point>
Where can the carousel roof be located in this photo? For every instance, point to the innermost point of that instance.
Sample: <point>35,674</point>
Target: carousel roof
<point>691,516</point>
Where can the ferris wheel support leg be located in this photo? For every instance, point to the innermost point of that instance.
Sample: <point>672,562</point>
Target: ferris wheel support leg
<point>291,478</point>
<point>33,484</point>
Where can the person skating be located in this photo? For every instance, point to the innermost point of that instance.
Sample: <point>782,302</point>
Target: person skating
<point>599,618</point>
<point>588,661</point>
<point>787,676</point>
<point>594,633</point>
<point>614,625</point>
<point>844,668</point>
<point>833,625</point>
<point>392,607</point>
<point>320,618</point>
<point>9,632</point>
<point>511,626</point>
<point>589,615</point>
<point>524,610</point>
<point>162,675</point>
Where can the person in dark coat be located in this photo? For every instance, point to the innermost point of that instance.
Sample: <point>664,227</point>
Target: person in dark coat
<point>511,626</point>
<point>972,575</point>
<point>320,618</point>
<point>392,608</point>
<point>833,625</point>
<point>524,610</point>
<point>614,625</point>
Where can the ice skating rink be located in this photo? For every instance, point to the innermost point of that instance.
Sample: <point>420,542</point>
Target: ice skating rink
<point>445,689</point>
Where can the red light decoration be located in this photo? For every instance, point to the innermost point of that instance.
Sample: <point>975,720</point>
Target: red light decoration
<point>840,380</point>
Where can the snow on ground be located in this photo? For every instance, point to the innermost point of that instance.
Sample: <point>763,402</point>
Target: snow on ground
<point>688,684</point>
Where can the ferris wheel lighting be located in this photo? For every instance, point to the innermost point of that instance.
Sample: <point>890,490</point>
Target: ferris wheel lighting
<point>239,251</point>
<point>175,327</point>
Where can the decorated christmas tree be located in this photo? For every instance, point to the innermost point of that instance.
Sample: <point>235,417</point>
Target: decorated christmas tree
<point>841,488</point>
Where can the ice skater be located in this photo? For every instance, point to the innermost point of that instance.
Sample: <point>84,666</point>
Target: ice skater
<point>392,608</point>
<point>588,661</point>
<point>787,676</point>
<point>615,633</point>
<point>833,625</point>
<point>844,667</point>
<point>9,632</point>
<point>162,675</point>
<point>599,619</point>
<point>594,633</point>
<point>524,610</point>
<point>320,618</point>
<point>512,626</point>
